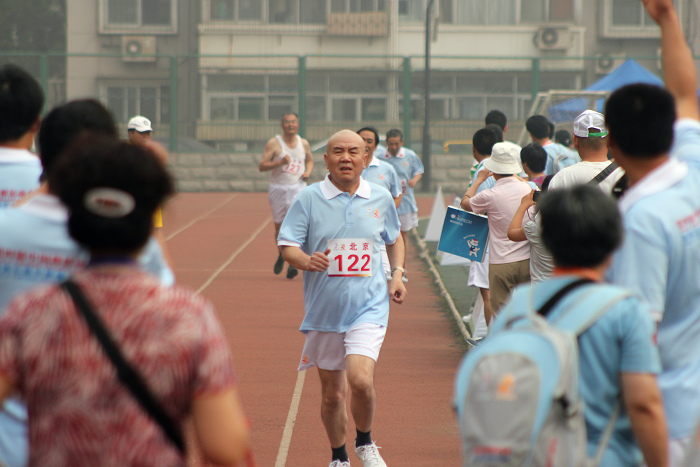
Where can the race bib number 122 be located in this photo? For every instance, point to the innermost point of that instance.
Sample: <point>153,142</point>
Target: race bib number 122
<point>350,257</point>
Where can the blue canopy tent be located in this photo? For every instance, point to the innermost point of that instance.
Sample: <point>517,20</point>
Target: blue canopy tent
<point>627,73</point>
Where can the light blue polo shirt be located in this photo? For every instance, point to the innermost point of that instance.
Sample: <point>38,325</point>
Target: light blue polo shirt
<point>488,183</point>
<point>35,249</point>
<point>619,342</point>
<point>322,213</point>
<point>660,259</point>
<point>383,174</point>
<point>19,174</point>
<point>407,166</point>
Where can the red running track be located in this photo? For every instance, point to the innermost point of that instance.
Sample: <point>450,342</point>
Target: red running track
<point>222,244</point>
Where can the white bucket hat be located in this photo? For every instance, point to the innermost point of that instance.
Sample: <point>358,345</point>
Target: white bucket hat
<point>504,159</point>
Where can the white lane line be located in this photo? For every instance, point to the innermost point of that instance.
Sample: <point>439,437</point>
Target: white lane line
<point>235,253</point>
<point>199,218</point>
<point>291,420</point>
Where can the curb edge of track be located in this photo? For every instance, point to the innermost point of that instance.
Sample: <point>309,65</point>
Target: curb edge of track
<point>423,253</point>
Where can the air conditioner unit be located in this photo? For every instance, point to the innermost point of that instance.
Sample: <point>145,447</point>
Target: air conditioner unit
<point>368,24</point>
<point>553,38</point>
<point>139,48</point>
<point>604,64</point>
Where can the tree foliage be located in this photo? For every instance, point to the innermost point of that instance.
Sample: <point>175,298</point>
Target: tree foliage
<point>32,25</point>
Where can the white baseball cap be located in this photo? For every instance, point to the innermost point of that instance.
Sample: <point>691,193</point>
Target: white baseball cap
<point>140,124</point>
<point>504,159</point>
<point>590,119</point>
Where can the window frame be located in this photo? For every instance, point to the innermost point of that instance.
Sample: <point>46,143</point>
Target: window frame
<point>265,14</point>
<point>159,85</point>
<point>268,96</point>
<point>105,27</point>
<point>632,31</point>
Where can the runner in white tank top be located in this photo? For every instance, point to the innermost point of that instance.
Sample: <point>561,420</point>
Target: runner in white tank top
<point>288,159</point>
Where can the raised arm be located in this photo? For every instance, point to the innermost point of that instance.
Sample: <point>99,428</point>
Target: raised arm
<point>272,148</point>
<point>679,68</point>
<point>480,178</point>
<point>516,232</point>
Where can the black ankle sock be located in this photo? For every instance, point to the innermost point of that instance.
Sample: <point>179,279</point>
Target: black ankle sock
<point>340,454</point>
<point>363,439</point>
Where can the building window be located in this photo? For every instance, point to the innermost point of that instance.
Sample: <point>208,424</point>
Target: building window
<point>235,10</point>
<point>143,16</point>
<point>347,97</point>
<point>250,97</point>
<point>469,96</point>
<point>357,6</point>
<point>626,18</point>
<point>477,12</point>
<point>125,102</point>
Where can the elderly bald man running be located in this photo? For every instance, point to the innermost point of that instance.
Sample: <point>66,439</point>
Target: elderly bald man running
<point>332,232</point>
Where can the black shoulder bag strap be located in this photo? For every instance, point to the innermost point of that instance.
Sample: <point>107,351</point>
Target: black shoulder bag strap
<point>547,307</point>
<point>603,174</point>
<point>127,375</point>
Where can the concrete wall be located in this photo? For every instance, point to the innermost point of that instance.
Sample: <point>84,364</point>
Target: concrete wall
<point>239,172</point>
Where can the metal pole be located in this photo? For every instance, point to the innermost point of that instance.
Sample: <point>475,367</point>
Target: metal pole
<point>535,78</point>
<point>301,93</point>
<point>407,101</point>
<point>44,77</point>
<point>426,101</point>
<point>173,104</point>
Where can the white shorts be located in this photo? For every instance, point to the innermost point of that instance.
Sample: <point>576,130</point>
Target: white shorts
<point>385,260</point>
<point>281,198</point>
<point>327,350</point>
<point>408,221</point>
<point>678,450</point>
<point>479,273</point>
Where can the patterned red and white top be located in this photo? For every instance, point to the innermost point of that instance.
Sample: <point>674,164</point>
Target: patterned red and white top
<point>79,412</point>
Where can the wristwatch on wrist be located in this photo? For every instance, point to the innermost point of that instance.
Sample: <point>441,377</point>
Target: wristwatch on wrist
<point>398,268</point>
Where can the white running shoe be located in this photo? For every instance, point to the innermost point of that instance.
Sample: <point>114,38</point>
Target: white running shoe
<point>369,455</point>
<point>337,463</point>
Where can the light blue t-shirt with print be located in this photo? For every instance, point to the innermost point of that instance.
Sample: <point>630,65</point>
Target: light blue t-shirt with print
<point>558,157</point>
<point>621,341</point>
<point>407,165</point>
<point>19,174</point>
<point>660,259</point>
<point>35,249</point>
<point>383,174</point>
<point>322,213</point>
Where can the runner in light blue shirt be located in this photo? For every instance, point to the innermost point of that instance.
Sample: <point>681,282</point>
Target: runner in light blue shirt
<point>323,213</point>
<point>660,257</point>
<point>332,232</point>
<point>21,101</point>
<point>383,174</point>
<point>378,171</point>
<point>409,168</point>
<point>19,174</point>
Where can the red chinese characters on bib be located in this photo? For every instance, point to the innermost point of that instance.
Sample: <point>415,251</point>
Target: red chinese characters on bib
<point>295,167</point>
<point>350,257</point>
